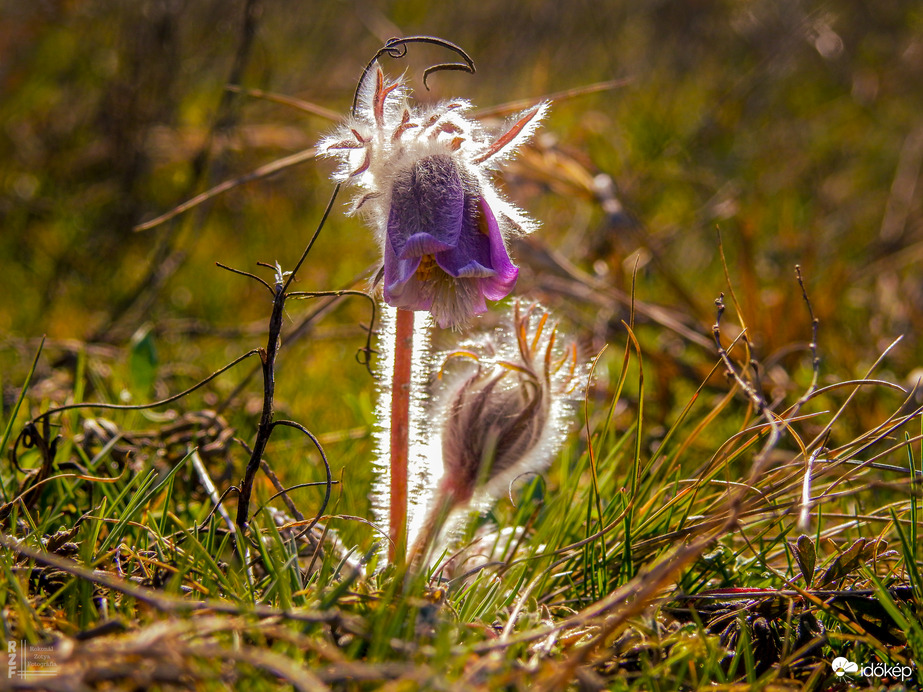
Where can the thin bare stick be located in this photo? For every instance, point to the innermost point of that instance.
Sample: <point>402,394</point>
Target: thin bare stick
<point>307,250</point>
<point>363,355</point>
<point>153,404</point>
<point>158,599</point>
<point>248,275</point>
<point>258,174</point>
<point>323,456</point>
<point>756,399</point>
<point>284,492</point>
<point>210,488</point>
<point>305,106</point>
<point>281,490</point>
<point>264,429</point>
<point>298,333</point>
<point>208,517</point>
<point>522,104</point>
<point>268,363</point>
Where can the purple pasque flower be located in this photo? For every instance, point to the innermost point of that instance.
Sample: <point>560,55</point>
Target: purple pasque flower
<point>444,251</point>
<point>425,181</point>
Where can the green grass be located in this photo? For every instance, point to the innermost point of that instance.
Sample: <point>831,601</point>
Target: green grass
<point>596,585</point>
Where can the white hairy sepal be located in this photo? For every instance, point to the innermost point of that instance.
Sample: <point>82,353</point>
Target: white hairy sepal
<point>387,136</point>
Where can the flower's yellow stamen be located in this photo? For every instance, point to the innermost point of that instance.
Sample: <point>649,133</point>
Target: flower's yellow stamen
<point>426,268</point>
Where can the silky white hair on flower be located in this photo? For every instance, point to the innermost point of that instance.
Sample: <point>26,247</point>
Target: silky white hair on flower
<point>424,179</point>
<point>502,413</point>
<point>386,134</point>
<point>506,413</point>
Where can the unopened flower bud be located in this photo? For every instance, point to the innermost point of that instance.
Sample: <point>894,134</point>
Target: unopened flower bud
<point>504,413</point>
<point>493,422</point>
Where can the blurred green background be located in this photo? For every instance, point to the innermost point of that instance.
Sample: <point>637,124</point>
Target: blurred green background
<point>794,128</point>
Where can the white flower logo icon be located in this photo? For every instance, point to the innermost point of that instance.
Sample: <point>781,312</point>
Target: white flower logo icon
<point>842,666</point>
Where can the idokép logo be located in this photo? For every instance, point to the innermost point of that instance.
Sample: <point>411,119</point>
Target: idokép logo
<point>843,666</point>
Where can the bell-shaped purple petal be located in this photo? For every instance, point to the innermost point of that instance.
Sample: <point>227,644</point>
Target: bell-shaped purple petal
<point>443,251</point>
<point>403,289</point>
<point>427,208</point>
<point>480,252</point>
<point>487,255</point>
<point>500,286</point>
<point>421,244</point>
<point>470,257</point>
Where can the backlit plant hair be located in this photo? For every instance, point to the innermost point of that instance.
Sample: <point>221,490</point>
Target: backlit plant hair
<point>424,184</point>
<point>503,413</point>
<point>424,180</point>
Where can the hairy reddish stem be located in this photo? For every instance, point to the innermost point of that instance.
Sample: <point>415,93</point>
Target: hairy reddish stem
<point>400,428</point>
